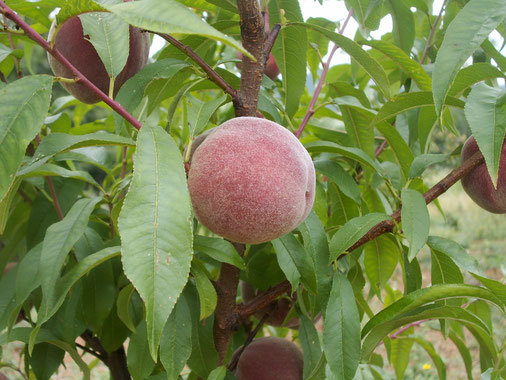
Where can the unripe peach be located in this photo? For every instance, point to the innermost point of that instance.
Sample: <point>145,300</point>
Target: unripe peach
<point>72,44</point>
<point>271,68</point>
<point>251,181</point>
<point>270,358</point>
<point>478,184</point>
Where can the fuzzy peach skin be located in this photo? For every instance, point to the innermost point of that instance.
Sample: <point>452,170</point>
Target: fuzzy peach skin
<point>270,358</point>
<point>478,184</point>
<point>251,181</point>
<point>80,52</point>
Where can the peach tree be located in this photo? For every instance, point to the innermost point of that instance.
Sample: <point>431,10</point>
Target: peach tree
<point>103,259</point>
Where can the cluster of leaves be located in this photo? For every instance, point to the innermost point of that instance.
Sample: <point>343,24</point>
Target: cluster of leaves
<point>105,243</point>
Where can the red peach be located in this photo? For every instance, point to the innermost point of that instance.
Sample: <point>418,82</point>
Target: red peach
<point>478,184</point>
<point>270,358</point>
<point>80,52</point>
<point>251,181</point>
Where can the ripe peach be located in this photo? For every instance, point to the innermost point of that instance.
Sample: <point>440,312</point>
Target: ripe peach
<point>72,44</point>
<point>478,184</point>
<point>251,181</point>
<point>270,358</point>
<point>278,310</point>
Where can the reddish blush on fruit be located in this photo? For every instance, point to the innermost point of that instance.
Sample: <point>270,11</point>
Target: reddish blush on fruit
<point>270,358</point>
<point>251,181</point>
<point>478,184</point>
<point>73,45</point>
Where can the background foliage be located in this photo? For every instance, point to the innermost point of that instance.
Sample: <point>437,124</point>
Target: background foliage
<point>76,215</point>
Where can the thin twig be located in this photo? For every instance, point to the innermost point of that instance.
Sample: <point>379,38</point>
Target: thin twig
<point>235,359</point>
<point>213,75</point>
<point>431,35</point>
<point>33,35</point>
<point>271,38</point>
<point>13,47</point>
<point>89,351</point>
<point>310,110</point>
<point>55,197</point>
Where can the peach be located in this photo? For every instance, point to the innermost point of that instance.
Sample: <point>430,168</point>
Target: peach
<point>270,358</point>
<point>251,181</point>
<point>271,68</point>
<point>72,44</point>
<point>478,184</point>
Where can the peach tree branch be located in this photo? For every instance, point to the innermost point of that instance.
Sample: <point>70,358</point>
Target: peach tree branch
<point>311,110</point>
<point>36,37</point>
<point>265,298</point>
<point>212,74</point>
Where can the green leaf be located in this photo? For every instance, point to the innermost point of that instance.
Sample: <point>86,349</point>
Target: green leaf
<point>176,344</point>
<point>6,202</point>
<point>23,105</point>
<point>218,249</point>
<point>55,170</point>
<point>203,358</point>
<point>496,55</point>
<point>139,361</point>
<point>200,112</point>
<point>310,343</point>
<point>403,24</point>
<point>45,360</point>
<point>218,373</point>
<point>402,152</point>
<point>65,283</point>
<point>75,356</point>
<point>155,228</point>
<point>358,127</point>
<point>464,35</point>
<point>486,113</point>
<point>123,306</point>
<point>288,249</point>
<point>444,270</point>
<point>380,259</point>
<point>436,359</point>
<point>353,153</point>
<point>4,52</point>
<point>290,51</point>
<point>352,231</point>
<point>407,101</point>
<point>455,251</point>
<point>317,245</point>
<point>415,220</point>
<point>464,352</point>
<point>423,161</point>
<point>132,92</point>
<point>340,177</point>
<point>72,8</point>
<point>426,295</point>
<point>363,58</point>
<point>341,334</point>
<point>56,143</point>
<point>473,74</point>
<point>109,35</point>
<point>207,293</point>
<point>169,17</point>
<point>412,68</point>
<point>495,287</point>
<point>444,312</point>
<point>400,349</point>
<point>59,240</point>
